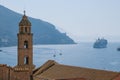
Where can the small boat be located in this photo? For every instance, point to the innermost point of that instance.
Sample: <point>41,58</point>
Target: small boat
<point>54,55</point>
<point>60,53</point>
<point>100,43</point>
<point>118,49</point>
<point>0,50</point>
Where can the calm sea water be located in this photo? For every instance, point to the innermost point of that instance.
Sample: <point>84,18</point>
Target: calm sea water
<point>82,55</point>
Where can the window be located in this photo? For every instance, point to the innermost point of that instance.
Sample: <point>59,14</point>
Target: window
<point>22,29</point>
<point>26,60</point>
<point>25,44</point>
<point>25,29</point>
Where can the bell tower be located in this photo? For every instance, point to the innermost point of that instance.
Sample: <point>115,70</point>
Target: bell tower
<point>25,44</point>
<point>24,67</point>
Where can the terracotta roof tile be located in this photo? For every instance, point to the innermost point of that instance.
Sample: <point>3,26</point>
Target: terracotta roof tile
<point>58,71</point>
<point>44,67</point>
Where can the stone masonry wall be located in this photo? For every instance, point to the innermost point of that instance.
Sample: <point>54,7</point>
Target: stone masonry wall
<point>4,72</point>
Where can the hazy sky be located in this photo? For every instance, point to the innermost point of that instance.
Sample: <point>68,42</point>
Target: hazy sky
<point>79,18</point>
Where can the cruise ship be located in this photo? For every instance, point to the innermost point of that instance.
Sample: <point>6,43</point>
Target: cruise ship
<point>100,43</point>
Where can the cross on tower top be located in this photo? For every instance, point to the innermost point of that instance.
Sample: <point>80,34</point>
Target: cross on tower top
<point>24,12</point>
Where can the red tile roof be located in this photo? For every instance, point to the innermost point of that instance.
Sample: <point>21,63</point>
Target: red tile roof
<point>52,70</point>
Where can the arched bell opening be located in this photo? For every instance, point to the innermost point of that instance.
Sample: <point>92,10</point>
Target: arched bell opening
<point>25,44</point>
<point>26,60</point>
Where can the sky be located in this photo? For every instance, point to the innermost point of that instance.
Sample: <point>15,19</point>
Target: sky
<point>82,20</point>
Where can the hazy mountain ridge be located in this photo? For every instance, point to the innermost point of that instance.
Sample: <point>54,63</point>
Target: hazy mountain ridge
<point>44,32</point>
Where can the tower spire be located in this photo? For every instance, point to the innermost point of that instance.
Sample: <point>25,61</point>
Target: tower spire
<point>24,21</point>
<point>24,12</point>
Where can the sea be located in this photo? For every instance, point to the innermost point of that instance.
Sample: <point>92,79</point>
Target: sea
<point>80,55</point>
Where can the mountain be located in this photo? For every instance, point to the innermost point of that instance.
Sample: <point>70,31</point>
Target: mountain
<point>44,32</point>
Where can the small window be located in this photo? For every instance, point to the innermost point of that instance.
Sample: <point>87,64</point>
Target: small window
<point>26,60</point>
<point>22,29</point>
<point>25,44</point>
<point>25,29</point>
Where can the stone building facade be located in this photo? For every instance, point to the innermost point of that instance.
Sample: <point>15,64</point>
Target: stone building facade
<point>4,72</point>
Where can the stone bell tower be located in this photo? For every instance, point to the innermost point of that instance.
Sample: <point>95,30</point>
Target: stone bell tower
<point>25,66</point>
<point>25,44</point>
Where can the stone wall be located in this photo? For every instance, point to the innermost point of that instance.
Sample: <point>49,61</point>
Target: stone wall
<point>22,72</point>
<point>9,73</point>
<point>24,75</point>
<point>4,72</point>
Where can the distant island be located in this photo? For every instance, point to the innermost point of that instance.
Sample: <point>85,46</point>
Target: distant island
<point>100,43</point>
<point>44,32</point>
